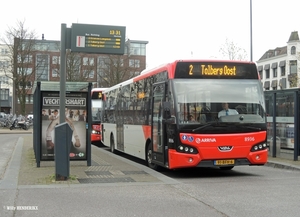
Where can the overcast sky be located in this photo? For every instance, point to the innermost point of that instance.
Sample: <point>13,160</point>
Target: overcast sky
<point>176,29</point>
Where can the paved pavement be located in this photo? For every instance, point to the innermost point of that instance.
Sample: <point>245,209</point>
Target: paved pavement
<point>106,167</point>
<point>26,186</point>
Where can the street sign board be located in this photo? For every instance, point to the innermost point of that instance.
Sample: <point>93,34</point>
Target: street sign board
<point>100,39</point>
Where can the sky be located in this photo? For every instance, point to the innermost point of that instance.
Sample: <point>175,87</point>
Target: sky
<point>177,29</point>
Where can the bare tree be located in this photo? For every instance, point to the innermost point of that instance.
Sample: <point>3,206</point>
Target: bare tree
<point>21,69</point>
<point>232,51</point>
<point>79,67</point>
<point>113,69</point>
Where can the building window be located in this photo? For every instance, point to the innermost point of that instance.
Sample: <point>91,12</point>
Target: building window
<point>118,62</point>
<point>134,63</point>
<point>134,73</point>
<point>274,72</point>
<point>88,73</point>
<point>42,67</point>
<point>103,62</point>
<point>91,74</point>
<point>267,73</point>
<point>3,80</point>
<point>136,49</point>
<point>260,74</point>
<point>293,50</point>
<point>2,92</point>
<point>88,61</point>
<point>282,69</point>
<point>3,64</point>
<point>24,59</point>
<point>56,60</point>
<point>293,67</point>
<point>55,73</point>
<point>4,51</point>
<point>27,85</point>
<point>24,71</point>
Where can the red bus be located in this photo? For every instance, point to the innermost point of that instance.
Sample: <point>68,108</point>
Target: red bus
<point>97,107</point>
<point>148,116</point>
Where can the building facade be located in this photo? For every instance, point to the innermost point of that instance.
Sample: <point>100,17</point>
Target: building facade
<point>6,87</point>
<point>43,64</point>
<point>279,71</point>
<point>278,68</point>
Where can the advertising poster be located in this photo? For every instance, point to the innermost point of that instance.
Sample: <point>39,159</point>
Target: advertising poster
<point>76,117</point>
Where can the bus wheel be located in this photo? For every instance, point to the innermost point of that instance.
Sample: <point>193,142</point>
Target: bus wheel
<point>226,168</point>
<point>149,158</point>
<point>112,144</point>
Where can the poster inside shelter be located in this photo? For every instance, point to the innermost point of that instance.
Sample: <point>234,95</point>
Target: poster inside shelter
<point>75,116</point>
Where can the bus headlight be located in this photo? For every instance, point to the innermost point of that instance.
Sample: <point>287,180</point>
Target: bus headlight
<point>259,147</point>
<point>187,149</point>
<point>95,132</point>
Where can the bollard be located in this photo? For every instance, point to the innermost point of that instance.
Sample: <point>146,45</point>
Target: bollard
<point>63,139</point>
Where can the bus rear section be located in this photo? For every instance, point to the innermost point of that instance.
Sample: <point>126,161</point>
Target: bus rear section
<point>97,108</point>
<point>96,132</point>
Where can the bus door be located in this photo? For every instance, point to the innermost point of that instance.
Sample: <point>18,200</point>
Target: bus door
<point>120,126</point>
<point>158,135</point>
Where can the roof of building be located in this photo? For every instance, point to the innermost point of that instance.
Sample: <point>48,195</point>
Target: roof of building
<point>280,50</point>
<point>294,36</point>
<point>275,52</point>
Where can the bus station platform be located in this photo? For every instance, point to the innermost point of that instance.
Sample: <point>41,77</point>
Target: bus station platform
<point>112,186</point>
<point>106,167</point>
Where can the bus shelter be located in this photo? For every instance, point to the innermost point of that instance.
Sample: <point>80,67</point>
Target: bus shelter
<point>46,120</point>
<point>282,108</point>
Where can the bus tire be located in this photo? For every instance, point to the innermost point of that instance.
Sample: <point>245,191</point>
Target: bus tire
<point>112,144</point>
<point>226,168</point>
<point>149,157</point>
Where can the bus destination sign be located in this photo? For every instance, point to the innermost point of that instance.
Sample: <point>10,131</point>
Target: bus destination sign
<point>215,70</point>
<point>212,70</point>
<point>98,39</point>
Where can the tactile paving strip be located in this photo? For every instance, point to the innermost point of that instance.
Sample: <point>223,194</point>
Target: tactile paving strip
<point>100,174</point>
<point>105,180</point>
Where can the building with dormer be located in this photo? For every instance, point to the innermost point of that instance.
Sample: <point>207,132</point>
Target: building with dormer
<point>278,68</point>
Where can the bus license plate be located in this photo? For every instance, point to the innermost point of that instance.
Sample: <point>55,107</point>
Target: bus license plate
<point>224,162</point>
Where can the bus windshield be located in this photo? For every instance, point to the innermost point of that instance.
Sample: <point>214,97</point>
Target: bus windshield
<point>202,99</point>
<point>96,110</point>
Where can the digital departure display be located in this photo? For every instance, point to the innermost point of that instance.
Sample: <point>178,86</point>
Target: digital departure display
<point>216,70</point>
<point>98,39</point>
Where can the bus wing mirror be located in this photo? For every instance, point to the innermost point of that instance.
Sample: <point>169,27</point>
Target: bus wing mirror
<point>167,110</point>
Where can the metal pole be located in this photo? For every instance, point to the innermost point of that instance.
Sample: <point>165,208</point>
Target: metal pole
<point>296,125</point>
<point>251,53</point>
<point>0,95</point>
<point>62,94</point>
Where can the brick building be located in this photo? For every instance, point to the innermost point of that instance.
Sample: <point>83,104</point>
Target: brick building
<point>43,61</point>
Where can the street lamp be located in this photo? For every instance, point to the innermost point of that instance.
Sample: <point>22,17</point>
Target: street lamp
<point>251,31</point>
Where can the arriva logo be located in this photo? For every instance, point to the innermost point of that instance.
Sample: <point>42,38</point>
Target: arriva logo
<point>208,140</point>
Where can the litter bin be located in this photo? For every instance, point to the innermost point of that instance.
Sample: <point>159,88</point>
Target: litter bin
<point>271,147</point>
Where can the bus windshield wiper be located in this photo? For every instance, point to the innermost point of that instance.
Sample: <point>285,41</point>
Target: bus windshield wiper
<point>204,126</point>
<point>251,128</point>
